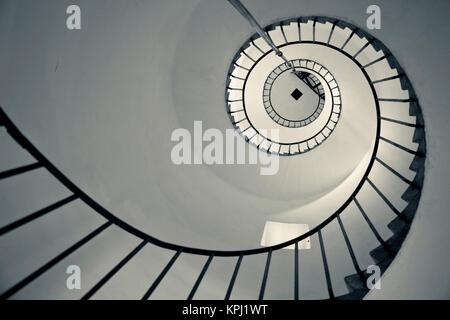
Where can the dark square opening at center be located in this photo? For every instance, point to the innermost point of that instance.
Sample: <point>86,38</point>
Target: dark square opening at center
<point>296,94</point>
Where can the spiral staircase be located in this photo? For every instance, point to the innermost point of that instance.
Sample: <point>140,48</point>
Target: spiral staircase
<point>379,209</point>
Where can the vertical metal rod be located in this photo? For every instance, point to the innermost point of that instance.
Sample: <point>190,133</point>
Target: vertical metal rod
<point>350,250</point>
<point>161,275</point>
<point>200,277</point>
<point>296,272</point>
<point>16,171</point>
<point>233,278</point>
<point>371,226</point>
<point>36,214</point>
<point>266,272</point>
<point>386,200</point>
<point>395,172</point>
<point>325,265</point>
<point>116,269</point>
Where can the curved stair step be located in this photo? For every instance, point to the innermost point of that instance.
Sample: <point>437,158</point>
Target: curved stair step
<point>291,32</point>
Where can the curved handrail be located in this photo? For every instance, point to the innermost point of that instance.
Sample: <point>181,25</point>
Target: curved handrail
<point>26,144</point>
<point>42,161</point>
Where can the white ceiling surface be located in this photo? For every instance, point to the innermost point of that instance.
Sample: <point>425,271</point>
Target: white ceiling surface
<point>102,102</point>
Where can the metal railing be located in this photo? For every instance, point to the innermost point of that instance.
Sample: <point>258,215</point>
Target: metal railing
<point>43,163</point>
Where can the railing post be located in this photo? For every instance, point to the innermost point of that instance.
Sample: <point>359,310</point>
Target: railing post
<point>20,170</point>
<point>350,250</point>
<point>161,275</point>
<point>233,278</point>
<point>371,226</point>
<point>200,277</point>
<point>266,272</point>
<point>296,272</point>
<point>36,214</point>
<point>116,269</point>
<point>386,200</point>
<point>325,265</point>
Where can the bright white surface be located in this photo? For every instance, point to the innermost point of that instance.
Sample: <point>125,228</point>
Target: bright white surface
<point>278,232</point>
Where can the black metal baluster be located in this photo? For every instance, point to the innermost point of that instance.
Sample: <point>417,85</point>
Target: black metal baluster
<point>361,50</point>
<point>110,274</point>
<point>371,226</point>
<point>161,275</point>
<point>296,272</point>
<point>384,164</point>
<point>36,214</point>
<point>283,33</point>
<point>200,277</point>
<point>376,60</point>
<point>400,75</point>
<point>233,278</point>
<point>314,29</point>
<point>350,250</point>
<point>266,273</point>
<point>19,170</point>
<point>299,31</point>
<point>395,144</point>
<point>348,39</point>
<point>54,261</point>
<point>403,123</point>
<point>325,265</point>
<point>331,32</point>
<point>396,100</point>
<point>386,200</point>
